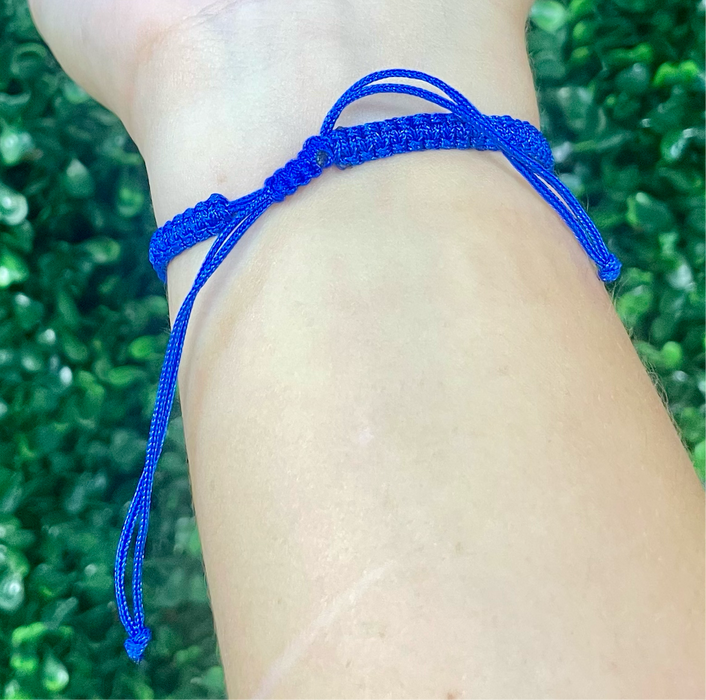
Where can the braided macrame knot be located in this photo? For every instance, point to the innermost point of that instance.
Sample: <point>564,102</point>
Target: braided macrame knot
<point>309,164</point>
<point>135,644</point>
<point>208,218</point>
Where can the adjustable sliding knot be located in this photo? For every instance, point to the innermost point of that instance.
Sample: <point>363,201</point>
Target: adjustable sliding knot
<point>462,127</point>
<point>529,140</point>
<point>205,219</point>
<point>135,644</point>
<point>298,171</point>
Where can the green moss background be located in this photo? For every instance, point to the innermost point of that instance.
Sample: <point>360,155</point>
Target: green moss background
<point>83,325</point>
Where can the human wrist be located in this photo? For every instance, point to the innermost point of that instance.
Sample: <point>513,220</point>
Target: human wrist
<point>214,114</point>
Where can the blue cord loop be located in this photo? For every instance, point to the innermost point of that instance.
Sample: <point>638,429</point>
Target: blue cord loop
<point>463,127</point>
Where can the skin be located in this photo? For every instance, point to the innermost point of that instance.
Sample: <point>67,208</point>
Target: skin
<point>426,460</point>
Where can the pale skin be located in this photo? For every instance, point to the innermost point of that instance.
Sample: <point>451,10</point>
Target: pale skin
<point>425,458</point>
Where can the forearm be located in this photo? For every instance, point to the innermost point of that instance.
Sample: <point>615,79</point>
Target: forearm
<point>425,458</point>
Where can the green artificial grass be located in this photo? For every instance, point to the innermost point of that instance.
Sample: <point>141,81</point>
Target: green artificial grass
<point>83,325</point>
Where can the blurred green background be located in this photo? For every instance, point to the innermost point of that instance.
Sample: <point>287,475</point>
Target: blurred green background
<point>83,325</point>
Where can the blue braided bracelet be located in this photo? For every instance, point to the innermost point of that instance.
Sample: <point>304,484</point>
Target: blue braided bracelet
<point>464,127</point>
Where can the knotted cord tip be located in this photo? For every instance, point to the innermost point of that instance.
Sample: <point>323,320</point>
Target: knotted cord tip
<point>135,644</point>
<point>610,271</point>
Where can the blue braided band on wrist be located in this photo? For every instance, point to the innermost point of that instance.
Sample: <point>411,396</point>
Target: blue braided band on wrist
<point>226,221</point>
<point>349,146</point>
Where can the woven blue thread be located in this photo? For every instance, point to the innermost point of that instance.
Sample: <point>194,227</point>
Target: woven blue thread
<point>347,147</point>
<point>226,221</point>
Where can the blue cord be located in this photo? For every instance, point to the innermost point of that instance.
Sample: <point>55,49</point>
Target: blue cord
<point>463,127</point>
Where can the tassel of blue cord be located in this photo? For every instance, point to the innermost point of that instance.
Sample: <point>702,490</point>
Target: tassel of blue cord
<point>463,127</point>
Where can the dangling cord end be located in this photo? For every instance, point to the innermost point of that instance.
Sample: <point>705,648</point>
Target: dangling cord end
<point>136,643</point>
<point>610,270</point>
<point>568,207</point>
